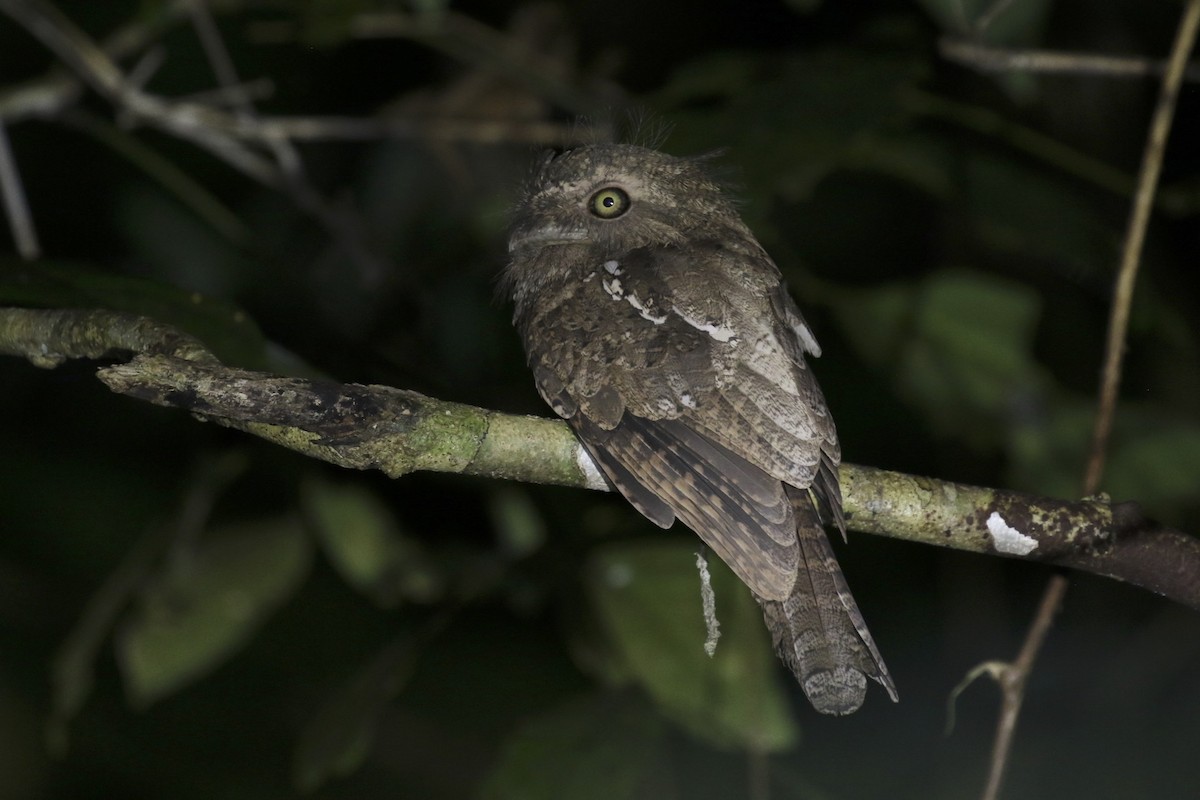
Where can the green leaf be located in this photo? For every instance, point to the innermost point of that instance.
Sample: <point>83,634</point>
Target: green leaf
<point>204,606</point>
<point>338,738</point>
<point>875,320</point>
<point>968,361</point>
<point>363,541</point>
<point>839,103</point>
<point>601,747</point>
<point>648,599</point>
<point>1047,450</point>
<point>1155,459</point>
<point>517,521</point>
<point>1016,23</point>
<point>1019,209</point>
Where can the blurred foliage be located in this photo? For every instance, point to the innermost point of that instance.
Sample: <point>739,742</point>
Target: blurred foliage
<point>270,626</point>
<point>203,606</point>
<point>645,597</point>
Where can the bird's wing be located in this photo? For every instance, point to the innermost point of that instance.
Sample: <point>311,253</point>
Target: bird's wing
<point>764,403</point>
<point>690,401</point>
<point>739,511</point>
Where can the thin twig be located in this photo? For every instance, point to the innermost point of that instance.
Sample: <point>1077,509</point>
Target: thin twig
<point>1012,678</point>
<point>988,58</point>
<point>96,65</point>
<point>1139,220</point>
<point>16,207</point>
<point>226,74</point>
<point>989,16</point>
<point>218,55</point>
<point>342,224</point>
<point>261,148</point>
<point>1015,676</point>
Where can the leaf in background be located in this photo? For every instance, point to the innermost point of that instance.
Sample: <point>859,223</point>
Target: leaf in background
<point>876,320</point>
<point>222,327</point>
<point>74,665</point>
<point>363,541</point>
<point>648,600</point>
<point>519,524</point>
<point>1153,455</point>
<point>203,608</point>
<point>1016,23</point>
<point>172,245</point>
<point>327,23</point>
<point>337,739</point>
<point>839,102</point>
<point>1036,217</point>
<point>967,361</point>
<point>1157,464</point>
<point>1048,444</point>
<point>75,662</point>
<point>601,747</point>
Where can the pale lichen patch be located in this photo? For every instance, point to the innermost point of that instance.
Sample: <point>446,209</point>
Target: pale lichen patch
<point>1007,539</point>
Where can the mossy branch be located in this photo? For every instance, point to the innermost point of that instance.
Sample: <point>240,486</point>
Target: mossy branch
<point>397,431</point>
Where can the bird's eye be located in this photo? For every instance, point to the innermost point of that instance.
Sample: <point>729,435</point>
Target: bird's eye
<point>609,203</point>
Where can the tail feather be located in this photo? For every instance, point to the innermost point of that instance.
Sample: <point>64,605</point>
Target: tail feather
<point>818,630</point>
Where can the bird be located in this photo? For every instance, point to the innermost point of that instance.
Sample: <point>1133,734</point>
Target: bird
<point>659,328</point>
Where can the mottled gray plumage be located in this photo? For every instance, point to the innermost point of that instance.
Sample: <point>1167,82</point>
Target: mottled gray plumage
<point>659,328</point>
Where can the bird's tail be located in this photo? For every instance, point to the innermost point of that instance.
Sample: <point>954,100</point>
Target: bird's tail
<point>818,630</point>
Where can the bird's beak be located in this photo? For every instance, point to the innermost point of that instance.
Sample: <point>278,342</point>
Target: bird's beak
<point>542,235</point>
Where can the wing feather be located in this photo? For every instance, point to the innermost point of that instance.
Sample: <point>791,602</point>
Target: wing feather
<point>741,512</point>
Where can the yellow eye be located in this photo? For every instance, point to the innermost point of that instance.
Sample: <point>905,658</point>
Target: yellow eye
<point>609,203</point>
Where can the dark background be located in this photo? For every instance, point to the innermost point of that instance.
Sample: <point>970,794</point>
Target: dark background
<point>952,238</point>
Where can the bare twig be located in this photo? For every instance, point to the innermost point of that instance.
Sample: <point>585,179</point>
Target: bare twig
<point>192,122</point>
<point>49,96</point>
<point>988,58</point>
<point>261,148</point>
<point>48,338</point>
<point>341,223</point>
<point>1013,677</point>
<point>1135,237</point>
<point>218,56</point>
<point>16,207</point>
<point>58,91</point>
<point>989,16</point>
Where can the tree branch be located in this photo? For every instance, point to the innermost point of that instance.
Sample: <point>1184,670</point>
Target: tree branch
<point>398,432</point>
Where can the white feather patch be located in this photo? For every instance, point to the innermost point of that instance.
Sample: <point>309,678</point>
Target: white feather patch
<point>645,312</point>
<point>720,333</point>
<point>807,341</point>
